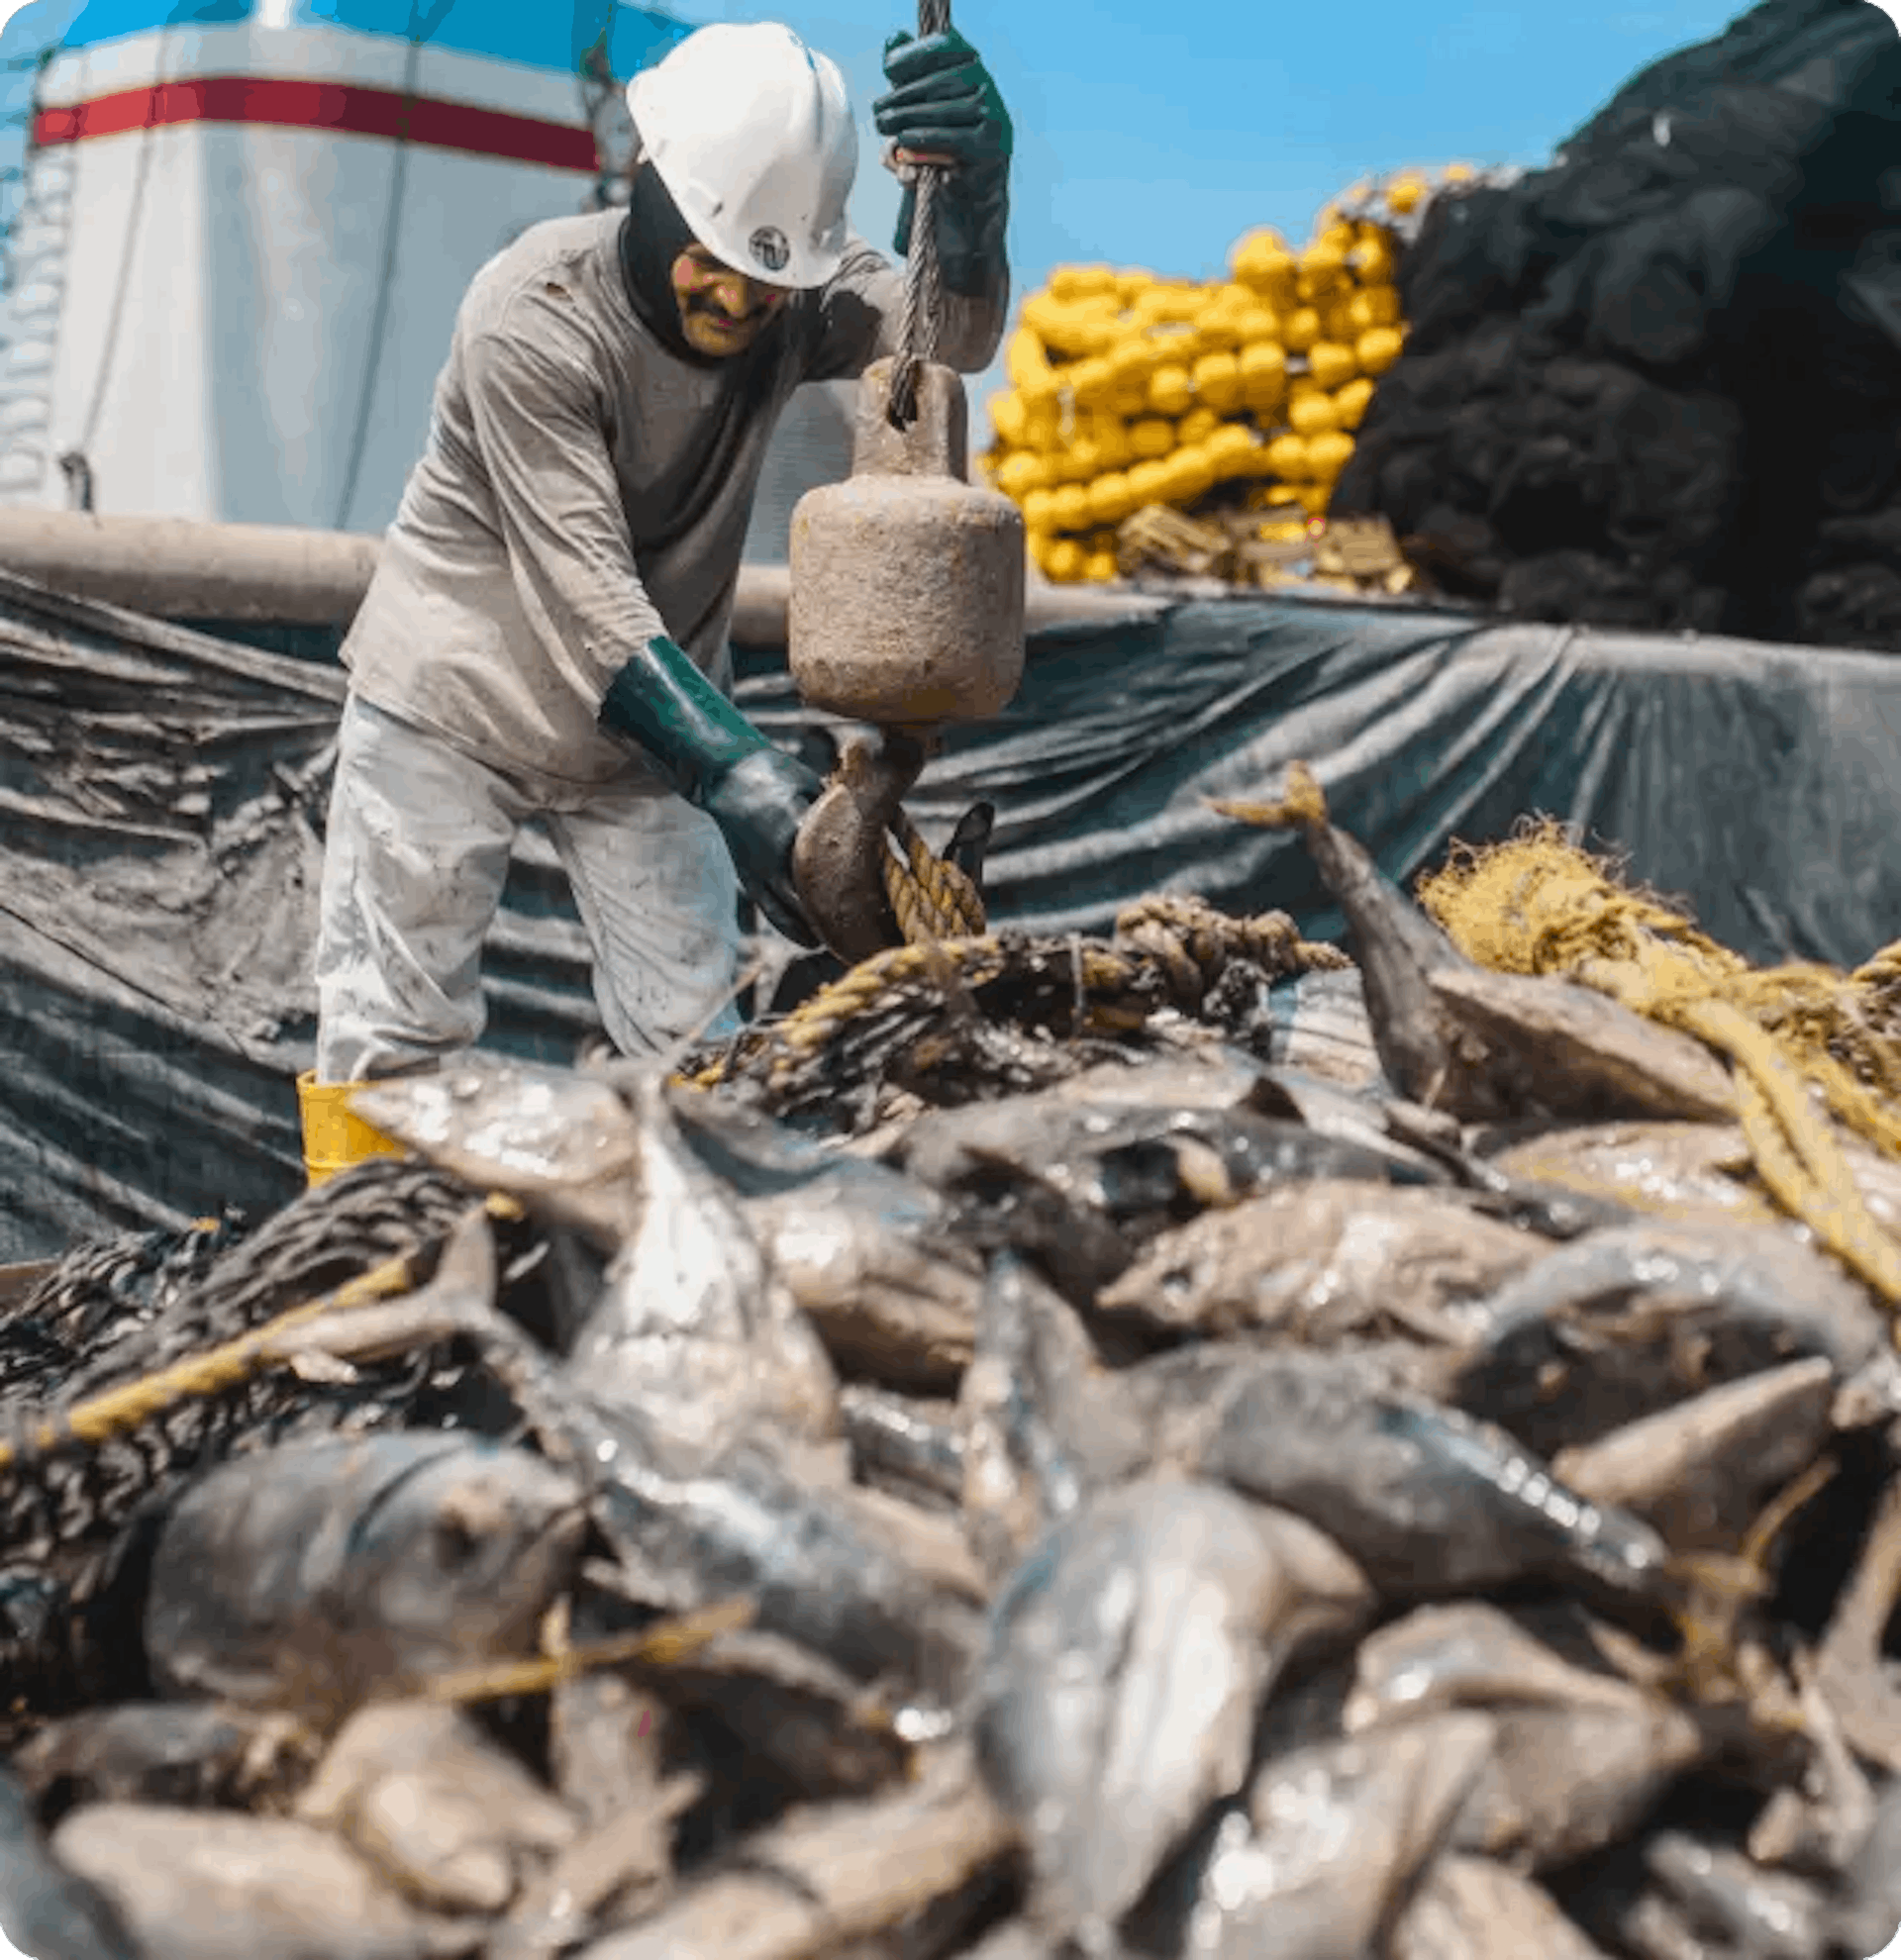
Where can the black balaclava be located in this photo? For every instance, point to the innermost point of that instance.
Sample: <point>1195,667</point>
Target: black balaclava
<point>653,237</point>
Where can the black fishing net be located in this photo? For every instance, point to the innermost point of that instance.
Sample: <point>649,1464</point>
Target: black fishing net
<point>1659,385</point>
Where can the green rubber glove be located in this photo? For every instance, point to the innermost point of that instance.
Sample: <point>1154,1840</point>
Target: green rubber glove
<point>711,755</point>
<point>942,102</point>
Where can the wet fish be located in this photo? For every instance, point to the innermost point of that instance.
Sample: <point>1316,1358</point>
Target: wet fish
<point>1464,1656</point>
<point>1553,1211</point>
<point>621,1870</point>
<point>1850,1670</point>
<point>691,1325</point>
<point>1868,1912</point>
<point>1349,1117</point>
<point>1318,1024</point>
<point>888,1303</point>
<point>1731,1904</point>
<point>77,1518</point>
<point>1545,1209</point>
<point>309,1575</point>
<point>759,1158</point>
<point>1686,1173</point>
<point>609,1742</point>
<point>1484,1046</point>
<point>791,1716</point>
<point>832,1874</point>
<point>1015,1940</point>
<point>561,1143</point>
<point>1556,1048</point>
<point>932,1543</point>
<point>896,1439</point>
<point>1608,1329</point>
<point>1044,1428</point>
<point>165,1752</point>
<point>1425,1499</point>
<point>812,1553</point>
<point>1081,1184</point>
<point>1819,1825</point>
<point>1323,1261</point>
<point>48,1909</point>
<point>1140,1582</point>
<point>1577,1758</point>
<point>1324,1856</point>
<point>1138,1165</point>
<point>817,1570</point>
<point>606,1733</point>
<point>1647,1924</point>
<point>197,1884</point>
<point>1126,1660</point>
<point>1175,1397</point>
<point>436,1807</point>
<point>694,1330</point>
<point>1304,1708</point>
<point>1703,1471</point>
<point>1474,1909</point>
<point>1217,1075</point>
<point>1002,1208</point>
<point>867,1252</point>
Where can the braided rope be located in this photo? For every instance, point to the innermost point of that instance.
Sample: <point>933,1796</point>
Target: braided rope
<point>1194,943</point>
<point>931,897</point>
<point>1883,970</point>
<point>1793,1145</point>
<point>922,278</point>
<point>115,1412</point>
<point>119,1410</point>
<point>1179,938</point>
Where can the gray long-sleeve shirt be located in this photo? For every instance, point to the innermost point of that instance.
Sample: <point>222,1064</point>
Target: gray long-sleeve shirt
<point>584,489</point>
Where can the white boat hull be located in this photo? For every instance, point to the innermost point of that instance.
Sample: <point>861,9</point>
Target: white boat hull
<point>236,285</point>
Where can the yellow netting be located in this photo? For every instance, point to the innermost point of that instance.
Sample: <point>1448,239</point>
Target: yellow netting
<point>1883,972</point>
<point>1801,1038</point>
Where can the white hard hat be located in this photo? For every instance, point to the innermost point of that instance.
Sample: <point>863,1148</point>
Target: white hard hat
<point>752,135</point>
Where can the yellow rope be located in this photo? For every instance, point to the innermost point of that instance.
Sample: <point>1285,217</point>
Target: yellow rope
<point>1883,970</point>
<point>941,915</point>
<point>1795,1153</point>
<point>120,1409</point>
<point>936,905</point>
<point>1194,942</point>
<point>1538,904</point>
<point>666,1644</point>
<point>1181,935</point>
<point>931,897</point>
<point>816,1020</point>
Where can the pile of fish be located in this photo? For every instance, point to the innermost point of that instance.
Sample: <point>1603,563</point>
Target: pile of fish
<point>1406,1501</point>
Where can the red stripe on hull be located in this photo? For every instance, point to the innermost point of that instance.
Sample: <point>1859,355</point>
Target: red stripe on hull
<point>345,107</point>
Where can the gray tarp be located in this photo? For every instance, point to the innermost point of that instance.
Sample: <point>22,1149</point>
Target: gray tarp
<point>162,796</point>
<point>1763,783</point>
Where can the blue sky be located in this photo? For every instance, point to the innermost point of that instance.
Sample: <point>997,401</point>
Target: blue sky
<point>1155,135</point>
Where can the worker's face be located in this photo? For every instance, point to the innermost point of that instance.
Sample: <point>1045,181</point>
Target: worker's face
<point>722,312</point>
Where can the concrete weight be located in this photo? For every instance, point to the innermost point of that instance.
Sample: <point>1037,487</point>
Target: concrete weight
<point>907,583</point>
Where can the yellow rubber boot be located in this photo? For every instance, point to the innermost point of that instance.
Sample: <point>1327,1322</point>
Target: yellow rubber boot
<point>334,1136</point>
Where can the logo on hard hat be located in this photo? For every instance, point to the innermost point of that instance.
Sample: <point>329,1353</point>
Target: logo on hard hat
<point>770,248</point>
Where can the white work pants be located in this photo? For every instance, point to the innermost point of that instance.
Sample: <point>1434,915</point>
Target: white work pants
<point>414,864</point>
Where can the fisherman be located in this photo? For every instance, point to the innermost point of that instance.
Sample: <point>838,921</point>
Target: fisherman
<point>546,630</point>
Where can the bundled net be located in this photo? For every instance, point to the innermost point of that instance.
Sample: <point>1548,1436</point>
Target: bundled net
<point>1807,1042</point>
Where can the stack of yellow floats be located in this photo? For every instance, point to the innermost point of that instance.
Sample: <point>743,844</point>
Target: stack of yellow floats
<point>1128,390</point>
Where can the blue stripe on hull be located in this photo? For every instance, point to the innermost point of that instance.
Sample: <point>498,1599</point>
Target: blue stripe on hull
<point>531,35</point>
